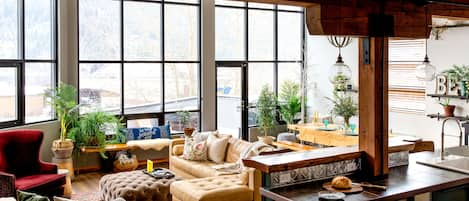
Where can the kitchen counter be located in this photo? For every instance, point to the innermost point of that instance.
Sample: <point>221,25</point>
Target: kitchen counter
<point>402,182</point>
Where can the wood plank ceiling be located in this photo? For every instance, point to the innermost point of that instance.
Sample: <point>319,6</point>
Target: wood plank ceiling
<point>393,18</point>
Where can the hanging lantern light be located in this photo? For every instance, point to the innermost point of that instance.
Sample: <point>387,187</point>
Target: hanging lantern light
<point>340,73</point>
<point>426,71</point>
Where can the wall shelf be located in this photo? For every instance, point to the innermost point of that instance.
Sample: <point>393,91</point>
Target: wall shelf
<point>440,116</point>
<point>448,96</point>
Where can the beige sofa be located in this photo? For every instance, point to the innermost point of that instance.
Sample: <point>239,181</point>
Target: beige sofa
<point>203,169</point>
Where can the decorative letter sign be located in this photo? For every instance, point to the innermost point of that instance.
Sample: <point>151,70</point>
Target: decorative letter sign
<point>447,86</point>
<point>440,85</point>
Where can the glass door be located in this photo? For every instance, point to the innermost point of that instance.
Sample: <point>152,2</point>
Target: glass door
<point>232,99</point>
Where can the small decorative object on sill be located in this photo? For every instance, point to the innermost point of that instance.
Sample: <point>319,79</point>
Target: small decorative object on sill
<point>188,131</point>
<point>185,122</point>
<point>449,109</point>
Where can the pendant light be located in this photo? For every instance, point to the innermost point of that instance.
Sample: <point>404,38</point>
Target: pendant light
<point>426,71</point>
<point>340,72</point>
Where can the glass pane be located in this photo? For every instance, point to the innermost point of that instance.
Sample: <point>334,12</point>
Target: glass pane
<point>229,87</point>
<point>142,123</point>
<point>39,77</point>
<point>176,125</point>
<point>99,29</point>
<point>181,86</point>
<point>183,1</point>
<point>100,87</point>
<point>261,5</point>
<point>290,36</point>
<point>8,94</point>
<point>261,35</point>
<point>9,35</point>
<point>289,72</point>
<point>230,34</point>
<point>291,8</point>
<point>230,3</point>
<point>142,88</point>
<point>259,74</point>
<point>142,31</point>
<point>39,29</point>
<point>181,32</point>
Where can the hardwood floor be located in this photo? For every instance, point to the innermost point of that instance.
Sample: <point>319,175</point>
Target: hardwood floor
<point>85,183</point>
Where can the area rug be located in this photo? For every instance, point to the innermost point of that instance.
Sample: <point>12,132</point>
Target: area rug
<point>90,196</point>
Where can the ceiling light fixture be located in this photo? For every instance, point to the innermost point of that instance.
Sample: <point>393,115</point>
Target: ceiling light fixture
<point>426,71</point>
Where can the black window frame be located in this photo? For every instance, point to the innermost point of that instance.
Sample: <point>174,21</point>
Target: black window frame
<point>122,61</point>
<point>21,62</point>
<point>276,61</point>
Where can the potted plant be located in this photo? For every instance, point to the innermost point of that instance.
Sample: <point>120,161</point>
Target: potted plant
<point>460,74</point>
<point>91,131</point>
<point>185,121</point>
<point>344,106</point>
<point>64,102</point>
<point>449,109</point>
<point>290,101</point>
<point>266,111</point>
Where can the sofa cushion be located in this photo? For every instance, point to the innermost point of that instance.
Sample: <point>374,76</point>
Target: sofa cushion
<point>148,133</point>
<point>226,188</point>
<point>216,148</point>
<point>195,151</point>
<point>30,182</point>
<point>198,169</point>
<point>234,149</point>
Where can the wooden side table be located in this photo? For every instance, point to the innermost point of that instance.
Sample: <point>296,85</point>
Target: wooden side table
<point>68,182</point>
<point>65,164</point>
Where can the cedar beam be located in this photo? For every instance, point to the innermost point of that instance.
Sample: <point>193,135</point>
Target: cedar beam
<point>373,104</point>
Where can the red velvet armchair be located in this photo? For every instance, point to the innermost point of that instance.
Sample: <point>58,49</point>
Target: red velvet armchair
<point>21,168</point>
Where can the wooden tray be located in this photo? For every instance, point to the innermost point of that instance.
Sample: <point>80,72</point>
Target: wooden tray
<point>355,188</point>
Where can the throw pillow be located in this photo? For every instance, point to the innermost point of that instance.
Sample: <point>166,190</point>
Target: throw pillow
<point>202,136</point>
<point>25,196</point>
<point>195,151</point>
<point>216,146</point>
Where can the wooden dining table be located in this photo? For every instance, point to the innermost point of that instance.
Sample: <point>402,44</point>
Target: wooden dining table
<point>332,135</point>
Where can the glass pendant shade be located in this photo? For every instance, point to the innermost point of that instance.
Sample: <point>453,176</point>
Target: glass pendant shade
<point>340,72</point>
<point>425,71</point>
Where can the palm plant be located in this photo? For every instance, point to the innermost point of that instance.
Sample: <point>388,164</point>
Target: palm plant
<point>290,101</point>
<point>344,106</point>
<point>63,100</point>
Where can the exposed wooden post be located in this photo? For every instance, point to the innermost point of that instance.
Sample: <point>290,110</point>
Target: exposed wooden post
<point>373,104</point>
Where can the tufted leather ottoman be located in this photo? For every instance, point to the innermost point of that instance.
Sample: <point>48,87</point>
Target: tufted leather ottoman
<point>220,188</point>
<point>133,186</point>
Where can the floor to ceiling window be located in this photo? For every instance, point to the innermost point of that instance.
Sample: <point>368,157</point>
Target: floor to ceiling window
<point>28,60</point>
<point>140,59</point>
<point>268,39</point>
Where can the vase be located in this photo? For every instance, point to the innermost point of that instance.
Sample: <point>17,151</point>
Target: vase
<point>464,87</point>
<point>188,131</point>
<point>449,110</point>
<point>62,149</point>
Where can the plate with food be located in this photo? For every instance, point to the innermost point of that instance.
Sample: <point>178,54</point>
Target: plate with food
<point>342,184</point>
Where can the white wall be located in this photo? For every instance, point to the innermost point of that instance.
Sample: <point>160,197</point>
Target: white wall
<point>452,49</point>
<point>321,55</point>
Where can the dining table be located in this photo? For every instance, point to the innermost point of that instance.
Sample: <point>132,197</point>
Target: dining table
<point>331,135</point>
